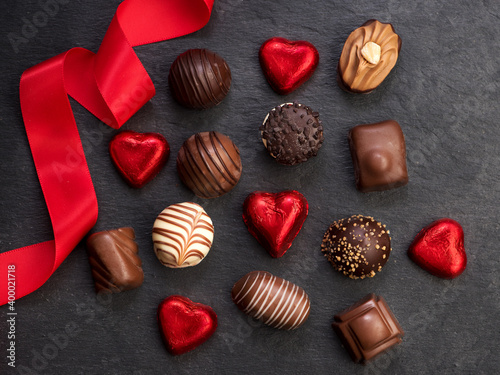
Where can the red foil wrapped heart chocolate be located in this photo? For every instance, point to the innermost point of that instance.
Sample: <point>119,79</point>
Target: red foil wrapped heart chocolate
<point>439,249</point>
<point>275,219</point>
<point>139,157</point>
<point>184,324</point>
<point>287,64</point>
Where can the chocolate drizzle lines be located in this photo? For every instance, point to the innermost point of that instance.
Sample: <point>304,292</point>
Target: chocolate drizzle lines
<point>209,164</point>
<point>182,232</point>
<point>199,79</point>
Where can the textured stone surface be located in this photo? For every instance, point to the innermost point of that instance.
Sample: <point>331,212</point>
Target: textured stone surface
<point>443,91</point>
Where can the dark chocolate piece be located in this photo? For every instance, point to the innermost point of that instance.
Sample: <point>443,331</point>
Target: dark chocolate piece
<point>368,56</point>
<point>209,164</point>
<point>367,328</point>
<point>115,264</point>
<point>358,246</point>
<point>199,78</point>
<point>379,156</point>
<point>292,133</point>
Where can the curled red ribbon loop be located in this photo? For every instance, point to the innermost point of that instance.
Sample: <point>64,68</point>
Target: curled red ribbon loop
<point>113,85</point>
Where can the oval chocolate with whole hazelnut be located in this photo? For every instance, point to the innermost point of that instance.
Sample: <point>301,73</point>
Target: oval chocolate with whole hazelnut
<point>368,56</point>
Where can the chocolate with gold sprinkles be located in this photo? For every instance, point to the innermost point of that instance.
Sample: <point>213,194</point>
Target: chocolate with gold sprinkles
<point>357,246</point>
<point>292,133</point>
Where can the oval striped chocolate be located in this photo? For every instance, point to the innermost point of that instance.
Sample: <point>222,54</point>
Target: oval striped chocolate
<point>271,299</point>
<point>209,164</point>
<point>182,235</point>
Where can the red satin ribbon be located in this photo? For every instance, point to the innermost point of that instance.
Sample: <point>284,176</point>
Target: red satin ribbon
<point>113,85</point>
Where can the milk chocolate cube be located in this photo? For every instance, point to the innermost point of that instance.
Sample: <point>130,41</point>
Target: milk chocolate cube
<point>379,156</point>
<point>367,328</point>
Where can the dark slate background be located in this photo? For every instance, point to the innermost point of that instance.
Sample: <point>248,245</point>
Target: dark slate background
<point>444,92</point>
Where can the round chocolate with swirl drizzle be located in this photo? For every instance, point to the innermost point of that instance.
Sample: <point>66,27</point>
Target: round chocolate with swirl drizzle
<point>369,54</point>
<point>271,299</point>
<point>182,235</point>
<point>209,164</point>
<point>199,79</point>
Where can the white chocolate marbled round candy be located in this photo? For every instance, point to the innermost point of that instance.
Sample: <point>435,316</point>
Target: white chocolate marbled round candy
<point>182,235</point>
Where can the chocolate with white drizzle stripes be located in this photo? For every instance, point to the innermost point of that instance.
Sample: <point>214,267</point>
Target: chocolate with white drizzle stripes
<point>271,299</point>
<point>182,235</point>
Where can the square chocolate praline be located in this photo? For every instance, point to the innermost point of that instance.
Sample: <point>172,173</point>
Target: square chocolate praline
<point>379,156</point>
<point>367,328</point>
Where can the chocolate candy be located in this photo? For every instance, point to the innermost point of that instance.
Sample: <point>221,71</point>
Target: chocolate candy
<point>379,156</point>
<point>209,164</point>
<point>182,235</point>
<point>114,260</point>
<point>275,219</point>
<point>368,56</point>
<point>185,324</point>
<point>292,133</point>
<point>367,328</point>
<point>358,246</point>
<point>439,249</point>
<point>199,79</point>
<point>273,300</point>
<point>287,64</point>
<point>139,157</point>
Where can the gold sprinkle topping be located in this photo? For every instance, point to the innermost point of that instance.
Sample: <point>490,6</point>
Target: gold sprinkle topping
<point>351,246</point>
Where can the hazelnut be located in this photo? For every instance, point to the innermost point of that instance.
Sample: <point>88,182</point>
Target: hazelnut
<point>371,52</point>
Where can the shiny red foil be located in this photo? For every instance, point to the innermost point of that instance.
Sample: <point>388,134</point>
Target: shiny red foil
<point>287,64</point>
<point>139,157</point>
<point>275,219</point>
<point>185,324</point>
<point>439,249</point>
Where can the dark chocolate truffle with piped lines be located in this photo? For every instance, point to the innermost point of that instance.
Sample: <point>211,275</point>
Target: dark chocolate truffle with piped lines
<point>209,164</point>
<point>199,79</point>
<point>271,299</point>
<point>292,133</point>
<point>358,246</point>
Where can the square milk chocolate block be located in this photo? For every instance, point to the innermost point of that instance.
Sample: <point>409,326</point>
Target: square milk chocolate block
<point>379,156</point>
<point>116,266</point>
<point>367,328</point>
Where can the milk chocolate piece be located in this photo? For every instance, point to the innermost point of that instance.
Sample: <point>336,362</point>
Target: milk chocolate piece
<point>368,56</point>
<point>199,79</point>
<point>209,164</point>
<point>367,328</point>
<point>379,156</point>
<point>358,246</point>
<point>182,235</point>
<point>292,133</point>
<point>273,300</point>
<point>114,260</point>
